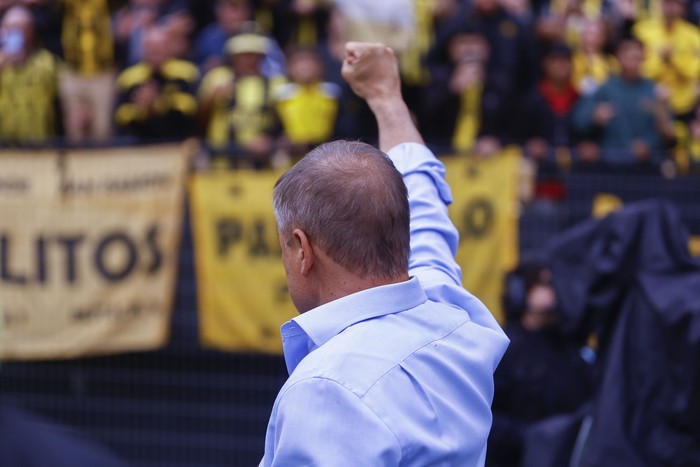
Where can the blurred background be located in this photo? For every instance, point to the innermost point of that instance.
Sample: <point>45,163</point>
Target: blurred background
<point>140,287</point>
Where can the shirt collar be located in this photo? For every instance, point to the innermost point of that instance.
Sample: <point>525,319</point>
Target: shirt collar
<point>322,323</point>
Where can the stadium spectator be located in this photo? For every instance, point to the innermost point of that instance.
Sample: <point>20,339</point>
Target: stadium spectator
<point>561,20</point>
<point>511,64</point>
<point>296,23</point>
<point>590,60</point>
<point>87,82</point>
<point>28,82</point>
<point>628,115</point>
<point>237,109</point>
<point>464,110</point>
<point>546,121</point>
<point>132,20</point>
<point>429,16</point>
<point>233,17</point>
<point>628,12</point>
<point>230,18</point>
<point>307,106</point>
<point>156,96</point>
<point>542,374</point>
<point>672,58</point>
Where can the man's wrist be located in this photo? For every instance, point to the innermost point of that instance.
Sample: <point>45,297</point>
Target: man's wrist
<point>387,106</point>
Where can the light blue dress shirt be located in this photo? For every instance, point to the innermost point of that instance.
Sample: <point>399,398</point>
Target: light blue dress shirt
<point>397,375</point>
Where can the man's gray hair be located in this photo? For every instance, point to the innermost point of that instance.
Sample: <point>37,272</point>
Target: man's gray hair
<point>350,200</point>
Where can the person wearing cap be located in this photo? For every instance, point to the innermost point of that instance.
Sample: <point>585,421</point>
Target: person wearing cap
<point>236,110</point>
<point>232,17</point>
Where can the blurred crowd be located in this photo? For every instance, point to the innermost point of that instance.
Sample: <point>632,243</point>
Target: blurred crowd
<point>575,83</point>
<point>571,81</point>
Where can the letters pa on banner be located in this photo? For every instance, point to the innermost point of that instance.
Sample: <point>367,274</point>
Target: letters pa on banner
<point>241,285</point>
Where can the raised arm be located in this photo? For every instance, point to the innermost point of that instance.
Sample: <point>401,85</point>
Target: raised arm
<point>373,72</point>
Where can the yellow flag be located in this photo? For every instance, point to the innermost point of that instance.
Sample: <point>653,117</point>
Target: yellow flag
<point>88,250</point>
<point>485,210</point>
<point>242,289</point>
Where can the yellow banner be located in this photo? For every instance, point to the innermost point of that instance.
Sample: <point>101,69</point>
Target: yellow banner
<point>241,285</point>
<point>88,249</point>
<point>485,210</point>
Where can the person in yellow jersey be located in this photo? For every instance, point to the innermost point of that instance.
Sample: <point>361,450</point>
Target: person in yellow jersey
<point>236,105</point>
<point>672,57</point>
<point>307,106</point>
<point>28,83</point>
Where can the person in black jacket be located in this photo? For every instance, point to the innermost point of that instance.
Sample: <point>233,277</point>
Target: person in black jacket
<point>629,277</point>
<point>546,119</point>
<point>156,100</point>
<point>543,373</point>
<point>466,105</point>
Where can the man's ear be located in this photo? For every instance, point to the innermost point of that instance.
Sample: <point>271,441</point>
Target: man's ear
<point>305,252</point>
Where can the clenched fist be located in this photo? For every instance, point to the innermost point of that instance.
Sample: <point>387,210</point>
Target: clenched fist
<point>372,70</point>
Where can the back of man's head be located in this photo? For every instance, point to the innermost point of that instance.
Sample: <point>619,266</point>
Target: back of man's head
<point>351,202</point>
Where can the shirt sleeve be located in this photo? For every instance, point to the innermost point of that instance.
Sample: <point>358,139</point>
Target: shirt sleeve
<point>319,422</point>
<point>434,238</point>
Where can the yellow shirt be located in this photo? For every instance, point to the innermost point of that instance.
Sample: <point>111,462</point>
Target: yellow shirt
<point>88,44</point>
<point>589,71</point>
<point>680,74</point>
<point>308,113</point>
<point>469,118</point>
<point>413,69</point>
<point>243,116</point>
<point>27,98</point>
